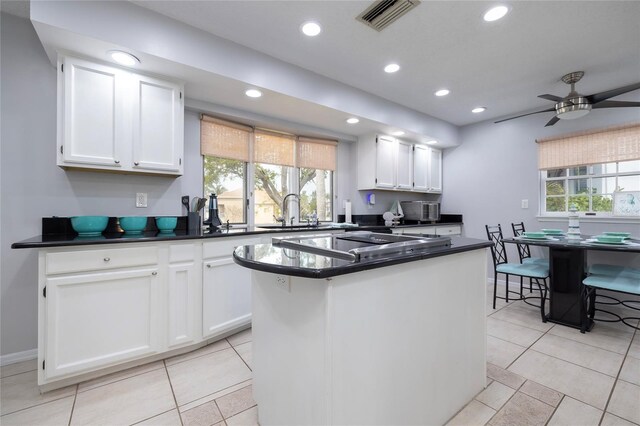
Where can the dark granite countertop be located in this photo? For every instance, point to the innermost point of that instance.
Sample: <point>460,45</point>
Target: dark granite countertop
<point>281,260</point>
<point>72,239</point>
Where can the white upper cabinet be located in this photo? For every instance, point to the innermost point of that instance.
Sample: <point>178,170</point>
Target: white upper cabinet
<point>421,155</point>
<point>157,125</point>
<point>385,163</point>
<point>113,119</point>
<point>399,165</point>
<point>404,166</point>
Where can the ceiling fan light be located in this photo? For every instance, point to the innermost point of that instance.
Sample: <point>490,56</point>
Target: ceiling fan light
<point>573,108</point>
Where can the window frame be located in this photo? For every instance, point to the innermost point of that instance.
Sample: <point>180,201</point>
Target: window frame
<point>332,185</point>
<point>568,177</point>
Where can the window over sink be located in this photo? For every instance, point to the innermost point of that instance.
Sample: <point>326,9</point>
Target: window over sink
<point>252,191</point>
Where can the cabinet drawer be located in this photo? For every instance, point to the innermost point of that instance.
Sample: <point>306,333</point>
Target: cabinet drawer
<point>91,260</point>
<point>448,230</point>
<point>225,247</point>
<point>182,252</point>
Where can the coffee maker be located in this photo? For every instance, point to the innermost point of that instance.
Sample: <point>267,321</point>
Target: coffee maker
<point>213,221</point>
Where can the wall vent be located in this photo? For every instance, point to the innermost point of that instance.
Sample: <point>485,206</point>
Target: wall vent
<point>383,13</point>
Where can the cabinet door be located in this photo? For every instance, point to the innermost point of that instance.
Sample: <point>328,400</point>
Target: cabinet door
<point>435,170</point>
<point>92,114</point>
<point>97,320</point>
<point>385,163</point>
<point>404,166</point>
<point>226,296</point>
<point>421,168</point>
<point>182,304</point>
<point>158,128</point>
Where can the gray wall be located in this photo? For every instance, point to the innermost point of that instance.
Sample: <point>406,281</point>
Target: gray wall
<point>495,167</point>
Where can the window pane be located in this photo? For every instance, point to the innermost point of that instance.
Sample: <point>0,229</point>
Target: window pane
<point>316,194</point>
<point>555,204</point>
<point>555,187</point>
<point>603,185</point>
<point>604,168</point>
<point>226,178</point>
<point>579,171</point>
<point>629,183</point>
<point>602,203</point>
<point>578,186</point>
<point>271,185</point>
<point>556,173</point>
<point>629,166</point>
<point>580,201</point>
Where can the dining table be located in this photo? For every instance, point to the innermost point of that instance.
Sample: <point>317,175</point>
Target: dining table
<point>567,269</point>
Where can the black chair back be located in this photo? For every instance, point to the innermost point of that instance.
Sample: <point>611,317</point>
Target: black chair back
<point>498,251</point>
<point>523,249</point>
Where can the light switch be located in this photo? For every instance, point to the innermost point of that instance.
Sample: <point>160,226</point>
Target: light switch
<point>525,204</point>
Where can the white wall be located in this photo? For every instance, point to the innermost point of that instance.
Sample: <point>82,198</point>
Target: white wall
<point>495,167</point>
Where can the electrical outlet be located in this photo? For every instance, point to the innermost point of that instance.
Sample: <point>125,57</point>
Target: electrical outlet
<point>283,282</point>
<point>525,204</point>
<point>141,199</point>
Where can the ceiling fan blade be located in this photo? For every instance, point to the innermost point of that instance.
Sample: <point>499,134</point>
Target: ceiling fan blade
<point>551,122</point>
<point>553,98</point>
<point>602,96</point>
<point>524,115</point>
<point>616,104</point>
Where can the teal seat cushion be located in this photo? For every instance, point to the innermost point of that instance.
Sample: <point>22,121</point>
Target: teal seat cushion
<point>614,270</point>
<point>615,283</point>
<point>535,261</point>
<point>524,269</point>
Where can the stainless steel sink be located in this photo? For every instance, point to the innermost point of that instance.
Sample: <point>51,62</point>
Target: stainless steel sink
<point>376,244</point>
<point>289,227</point>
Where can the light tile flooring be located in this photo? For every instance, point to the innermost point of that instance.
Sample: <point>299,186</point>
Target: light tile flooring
<point>538,374</point>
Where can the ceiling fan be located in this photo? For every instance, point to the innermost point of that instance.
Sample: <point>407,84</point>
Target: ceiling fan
<point>575,105</point>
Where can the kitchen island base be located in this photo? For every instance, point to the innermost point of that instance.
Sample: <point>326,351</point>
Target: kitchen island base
<point>403,344</point>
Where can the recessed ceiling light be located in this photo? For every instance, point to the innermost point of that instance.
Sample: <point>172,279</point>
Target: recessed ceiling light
<point>311,29</point>
<point>431,142</point>
<point>495,13</point>
<point>124,58</point>
<point>391,68</point>
<point>478,109</point>
<point>442,92</point>
<point>352,120</point>
<point>253,93</point>
<point>398,133</point>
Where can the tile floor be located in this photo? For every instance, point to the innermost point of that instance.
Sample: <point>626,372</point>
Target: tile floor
<point>538,374</point>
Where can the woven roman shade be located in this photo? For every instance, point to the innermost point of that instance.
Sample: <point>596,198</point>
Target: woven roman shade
<point>225,139</point>
<point>316,153</point>
<point>620,143</point>
<point>274,148</point>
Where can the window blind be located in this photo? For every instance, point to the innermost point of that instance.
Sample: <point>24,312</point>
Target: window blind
<point>226,139</point>
<point>620,143</point>
<point>316,153</point>
<point>273,148</point>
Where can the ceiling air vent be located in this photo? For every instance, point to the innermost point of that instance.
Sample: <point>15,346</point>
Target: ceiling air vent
<point>383,13</point>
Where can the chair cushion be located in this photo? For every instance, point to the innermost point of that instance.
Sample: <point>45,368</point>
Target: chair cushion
<point>627,285</point>
<point>614,270</point>
<point>526,270</point>
<point>536,261</point>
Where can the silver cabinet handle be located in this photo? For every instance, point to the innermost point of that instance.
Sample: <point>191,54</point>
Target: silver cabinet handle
<point>154,273</point>
<point>208,266</point>
<point>106,259</point>
<point>117,161</point>
<point>135,163</point>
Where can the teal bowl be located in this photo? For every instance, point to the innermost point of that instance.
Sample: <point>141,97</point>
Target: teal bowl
<point>166,223</point>
<point>133,224</point>
<point>611,239</point>
<point>87,226</point>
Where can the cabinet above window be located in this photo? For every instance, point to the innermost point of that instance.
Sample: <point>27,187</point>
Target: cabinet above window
<point>116,120</point>
<point>391,164</point>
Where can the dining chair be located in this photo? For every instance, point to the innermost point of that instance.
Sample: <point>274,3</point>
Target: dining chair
<point>614,270</point>
<point>625,284</point>
<point>525,253</point>
<point>501,265</point>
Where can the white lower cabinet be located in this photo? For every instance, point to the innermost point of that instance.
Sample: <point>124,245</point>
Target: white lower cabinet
<point>183,288</point>
<point>99,319</point>
<point>430,230</point>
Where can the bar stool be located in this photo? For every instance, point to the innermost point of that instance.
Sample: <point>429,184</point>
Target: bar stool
<point>629,284</point>
<point>501,265</point>
<point>525,253</point>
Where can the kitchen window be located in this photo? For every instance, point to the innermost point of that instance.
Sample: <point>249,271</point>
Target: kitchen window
<point>252,191</point>
<point>570,173</point>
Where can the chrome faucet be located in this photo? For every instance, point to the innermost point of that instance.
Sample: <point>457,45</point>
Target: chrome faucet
<point>284,209</point>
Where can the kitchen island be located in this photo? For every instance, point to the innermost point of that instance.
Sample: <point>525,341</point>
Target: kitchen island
<point>383,337</point>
